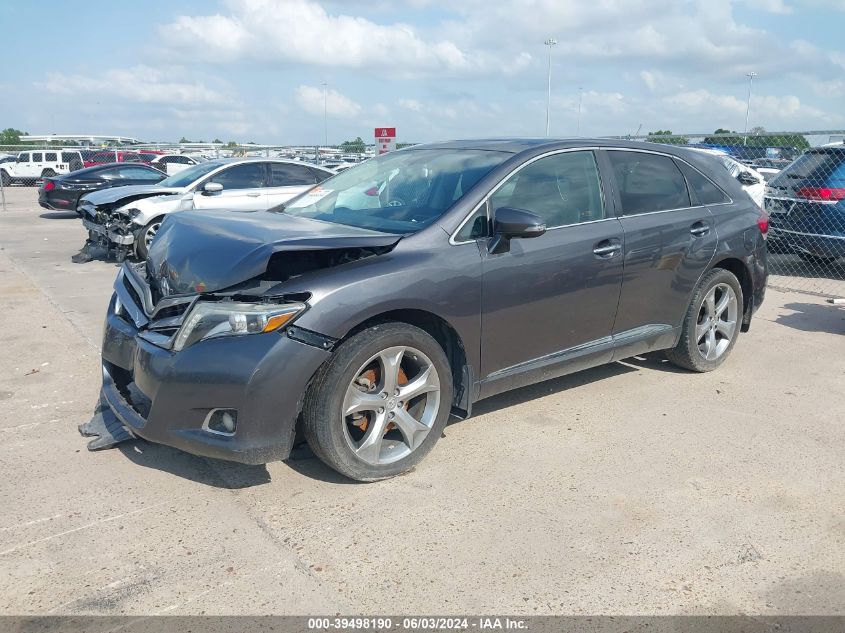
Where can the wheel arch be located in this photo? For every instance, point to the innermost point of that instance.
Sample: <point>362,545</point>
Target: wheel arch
<point>448,338</point>
<point>740,270</point>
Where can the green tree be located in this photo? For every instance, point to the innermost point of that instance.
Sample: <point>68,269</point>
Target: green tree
<point>217,140</point>
<point>11,136</point>
<point>757,137</point>
<point>356,147</point>
<point>401,145</point>
<point>184,140</point>
<point>665,136</point>
<point>231,145</point>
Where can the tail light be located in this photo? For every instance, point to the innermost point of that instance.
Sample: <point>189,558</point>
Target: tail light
<point>821,193</point>
<point>763,222</point>
<point>49,185</point>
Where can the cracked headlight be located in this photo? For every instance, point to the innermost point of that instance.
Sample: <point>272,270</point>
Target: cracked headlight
<point>230,318</point>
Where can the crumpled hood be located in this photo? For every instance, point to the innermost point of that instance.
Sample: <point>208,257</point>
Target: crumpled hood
<point>207,251</point>
<point>114,194</point>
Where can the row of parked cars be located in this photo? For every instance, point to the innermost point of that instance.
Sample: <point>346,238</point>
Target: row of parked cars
<point>32,166</point>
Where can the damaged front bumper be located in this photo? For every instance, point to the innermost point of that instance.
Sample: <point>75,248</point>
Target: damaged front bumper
<point>111,231</point>
<point>117,237</point>
<point>167,397</point>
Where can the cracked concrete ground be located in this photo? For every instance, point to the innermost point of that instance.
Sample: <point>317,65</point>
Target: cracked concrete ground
<point>629,489</point>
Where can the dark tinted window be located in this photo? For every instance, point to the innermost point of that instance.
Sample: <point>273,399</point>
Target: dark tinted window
<point>320,175</point>
<point>285,175</point>
<point>817,168</point>
<point>246,176</point>
<point>109,174</point>
<point>475,227</point>
<point>704,191</point>
<point>51,157</point>
<point>69,156</point>
<point>562,189</point>
<point>648,182</point>
<point>139,173</point>
<point>36,157</point>
<point>23,157</point>
<point>131,157</point>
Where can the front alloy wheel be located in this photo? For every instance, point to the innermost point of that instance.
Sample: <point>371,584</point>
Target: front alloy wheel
<point>391,405</point>
<point>380,403</point>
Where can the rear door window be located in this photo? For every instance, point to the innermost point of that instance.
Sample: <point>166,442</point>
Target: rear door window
<point>139,173</point>
<point>285,175</point>
<point>37,157</point>
<point>648,182</point>
<point>246,176</point>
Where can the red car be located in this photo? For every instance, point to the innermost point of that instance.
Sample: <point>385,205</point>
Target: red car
<point>119,156</point>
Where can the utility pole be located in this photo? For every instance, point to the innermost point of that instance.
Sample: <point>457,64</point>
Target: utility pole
<point>580,98</point>
<point>549,42</point>
<point>325,114</point>
<point>751,77</point>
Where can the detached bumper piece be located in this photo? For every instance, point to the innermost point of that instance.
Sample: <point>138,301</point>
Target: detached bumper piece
<point>105,427</point>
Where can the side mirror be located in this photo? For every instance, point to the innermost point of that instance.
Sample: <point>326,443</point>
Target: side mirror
<point>510,223</point>
<point>212,188</point>
<point>747,179</point>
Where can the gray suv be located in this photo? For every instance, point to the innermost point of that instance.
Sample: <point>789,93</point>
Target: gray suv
<point>363,313</point>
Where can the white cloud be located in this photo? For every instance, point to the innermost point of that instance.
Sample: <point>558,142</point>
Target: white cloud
<point>313,100</point>
<point>302,31</point>
<point>770,6</point>
<point>140,84</point>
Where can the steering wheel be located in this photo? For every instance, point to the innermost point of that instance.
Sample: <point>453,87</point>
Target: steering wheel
<point>396,202</point>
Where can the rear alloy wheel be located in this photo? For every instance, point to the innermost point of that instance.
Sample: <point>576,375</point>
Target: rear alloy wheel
<point>142,246</point>
<point>712,323</point>
<point>380,403</point>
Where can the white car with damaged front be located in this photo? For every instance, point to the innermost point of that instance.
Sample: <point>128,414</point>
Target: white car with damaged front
<point>126,219</point>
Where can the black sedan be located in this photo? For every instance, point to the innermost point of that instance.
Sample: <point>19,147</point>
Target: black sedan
<point>62,193</point>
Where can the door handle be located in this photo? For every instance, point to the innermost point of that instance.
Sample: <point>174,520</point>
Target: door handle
<point>607,248</point>
<point>699,229</point>
<point>254,195</point>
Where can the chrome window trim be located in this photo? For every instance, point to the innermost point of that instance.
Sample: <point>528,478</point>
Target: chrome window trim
<point>486,198</point>
<point>507,177</point>
<point>688,164</point>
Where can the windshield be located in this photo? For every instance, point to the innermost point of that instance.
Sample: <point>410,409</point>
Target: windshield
<point>189,175</point>
<point>399,192</point>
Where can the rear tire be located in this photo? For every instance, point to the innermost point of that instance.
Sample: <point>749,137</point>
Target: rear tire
<point>5,178</point>
<point>712,323</point>
<point>395,417</point>
<point>48,173</point>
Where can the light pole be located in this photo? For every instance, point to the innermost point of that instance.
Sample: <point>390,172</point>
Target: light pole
<point>751,77</point>
<point>325,114</point>
<point>580,98</point>
<point>549,42</point>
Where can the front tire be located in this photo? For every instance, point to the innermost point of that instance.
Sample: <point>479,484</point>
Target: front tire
<point>712,323</point>
<point>378,406</point>
<point>145,238</point>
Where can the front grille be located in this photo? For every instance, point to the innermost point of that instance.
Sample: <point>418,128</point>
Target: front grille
<point>172,311</point>
<point>136,298</point>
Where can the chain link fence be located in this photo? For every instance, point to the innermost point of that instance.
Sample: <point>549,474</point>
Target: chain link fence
<point>797,177</point>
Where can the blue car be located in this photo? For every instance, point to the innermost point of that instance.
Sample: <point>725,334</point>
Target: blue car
<point>806,206</point>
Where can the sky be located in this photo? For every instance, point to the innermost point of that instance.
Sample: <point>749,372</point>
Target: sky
<point>253,70</point>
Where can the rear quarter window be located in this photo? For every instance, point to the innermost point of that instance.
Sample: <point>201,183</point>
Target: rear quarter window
<point>702,188</point>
